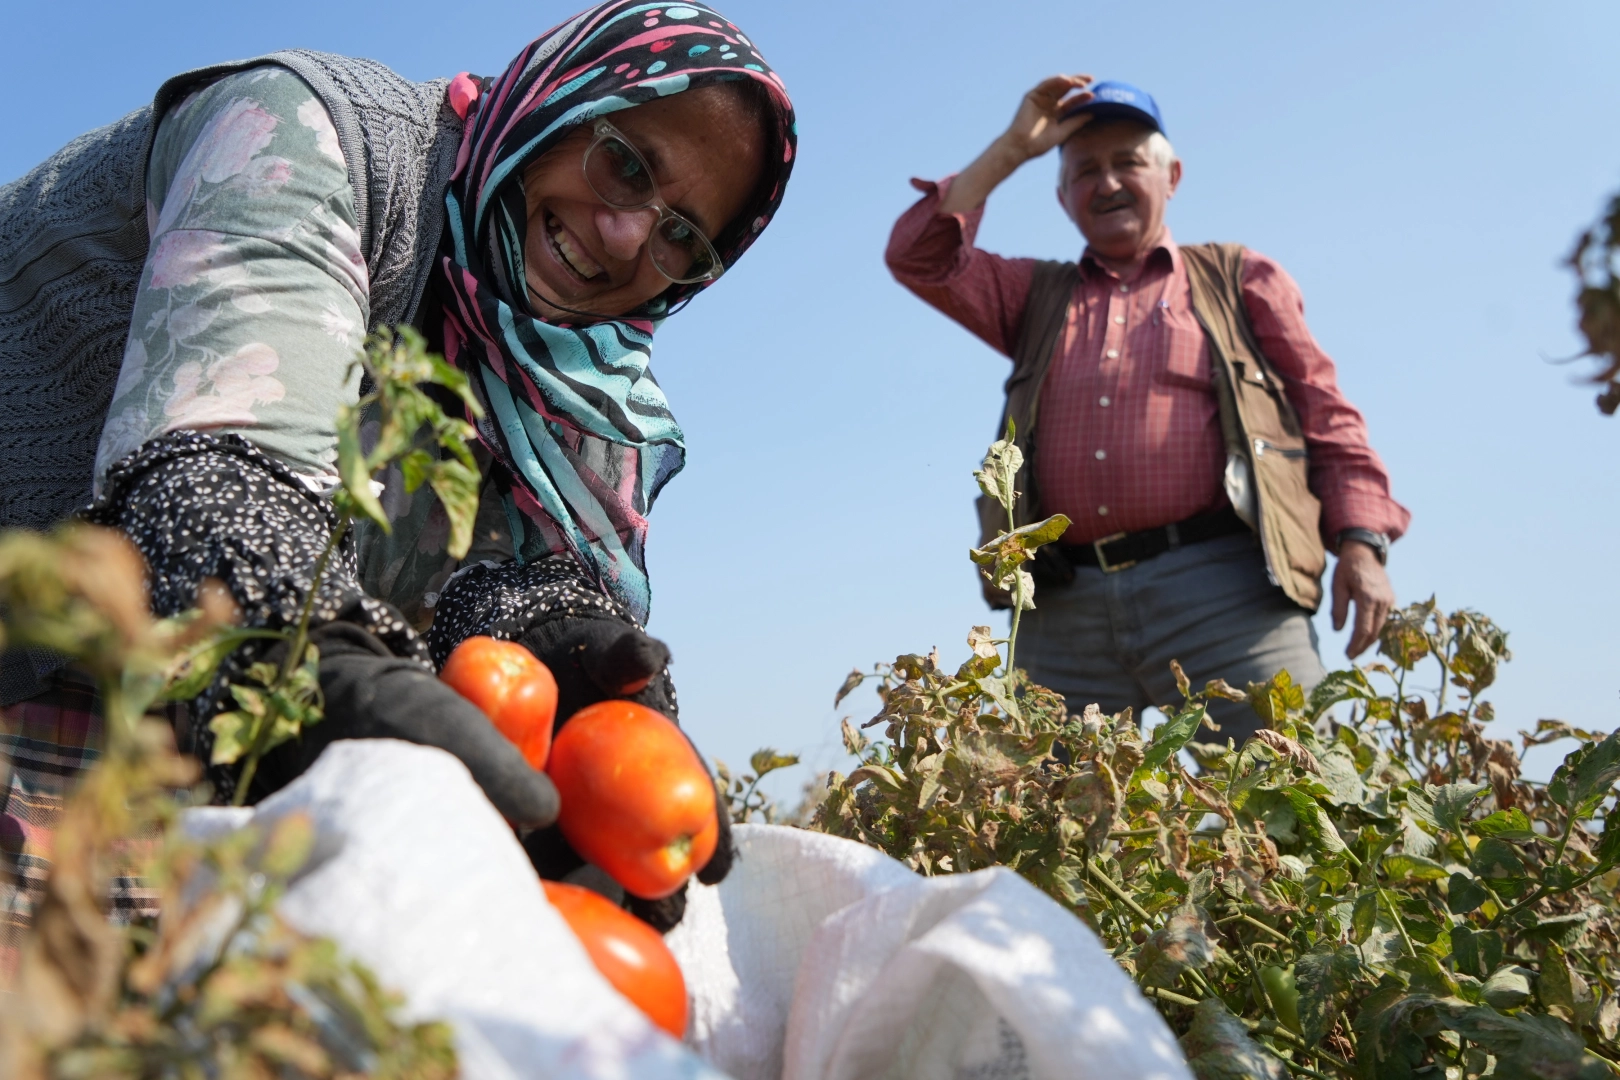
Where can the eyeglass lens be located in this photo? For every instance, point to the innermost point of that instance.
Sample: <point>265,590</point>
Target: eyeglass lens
<point>620,178</point>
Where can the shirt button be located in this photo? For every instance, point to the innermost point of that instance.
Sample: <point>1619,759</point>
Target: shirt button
<point>1120,319</point>
<point>1113,354</point>
<point>1102,455</point>
<point>1102,511</point>
<point>1124,288</point>
<point>1104,401</point>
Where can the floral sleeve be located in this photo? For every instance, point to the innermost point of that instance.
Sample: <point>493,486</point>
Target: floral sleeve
<point>254,295</point>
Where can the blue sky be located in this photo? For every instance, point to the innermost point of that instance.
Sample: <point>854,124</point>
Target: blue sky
<point>1420,168</point>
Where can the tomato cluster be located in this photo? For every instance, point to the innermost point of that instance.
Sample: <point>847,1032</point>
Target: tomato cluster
<point>636,801</point>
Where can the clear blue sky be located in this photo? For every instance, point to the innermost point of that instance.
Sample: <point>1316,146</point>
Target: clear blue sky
<point>1420,168</point>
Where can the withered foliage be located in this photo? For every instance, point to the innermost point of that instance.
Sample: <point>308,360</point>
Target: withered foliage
<point>218,985</point>
<point>1368,888</point>
<point>1597,299</point>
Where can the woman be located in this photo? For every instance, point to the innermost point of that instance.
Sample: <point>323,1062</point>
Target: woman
<point>537,226</point>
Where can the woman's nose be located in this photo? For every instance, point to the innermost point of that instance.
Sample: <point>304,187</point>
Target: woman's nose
<point>625,232</point>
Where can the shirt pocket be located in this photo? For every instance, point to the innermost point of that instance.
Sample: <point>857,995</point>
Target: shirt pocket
<point>1180,350</point>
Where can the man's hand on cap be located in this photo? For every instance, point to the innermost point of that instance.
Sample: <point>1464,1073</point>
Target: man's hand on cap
<point>1038,125</point>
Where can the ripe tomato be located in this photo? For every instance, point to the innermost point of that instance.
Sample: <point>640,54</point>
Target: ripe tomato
<point>629,953</point>
<point>515,690</point>
<point>636,799</point>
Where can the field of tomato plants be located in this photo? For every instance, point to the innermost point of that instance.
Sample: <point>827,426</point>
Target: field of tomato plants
<point>1369,887</point>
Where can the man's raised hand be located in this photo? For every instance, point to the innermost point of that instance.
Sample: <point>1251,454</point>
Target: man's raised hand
<point>1034,130</point>
<point>1038,125</point>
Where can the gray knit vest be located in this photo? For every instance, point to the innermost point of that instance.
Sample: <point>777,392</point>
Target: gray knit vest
<point>73,244</point>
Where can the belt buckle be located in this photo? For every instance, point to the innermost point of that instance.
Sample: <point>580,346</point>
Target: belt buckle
<point>1102,560</point>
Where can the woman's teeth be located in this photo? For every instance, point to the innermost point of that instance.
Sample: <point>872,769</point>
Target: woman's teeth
<point>577,261</point>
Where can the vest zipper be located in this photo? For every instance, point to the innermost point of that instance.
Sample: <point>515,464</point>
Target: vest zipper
<point>1292,453</point>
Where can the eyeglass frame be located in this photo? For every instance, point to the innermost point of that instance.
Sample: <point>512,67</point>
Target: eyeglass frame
<point>603,131</point>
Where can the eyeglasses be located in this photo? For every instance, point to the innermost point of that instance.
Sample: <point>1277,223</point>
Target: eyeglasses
<point>621,178</point>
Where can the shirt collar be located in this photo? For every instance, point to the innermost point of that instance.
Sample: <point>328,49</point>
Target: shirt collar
<point>1165,249</point>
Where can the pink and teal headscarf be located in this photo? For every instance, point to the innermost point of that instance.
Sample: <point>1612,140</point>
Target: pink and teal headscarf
<point>582,430</point>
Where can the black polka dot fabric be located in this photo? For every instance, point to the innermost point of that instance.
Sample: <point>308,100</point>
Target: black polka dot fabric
<point>200,506</point>
<point>504,600</point>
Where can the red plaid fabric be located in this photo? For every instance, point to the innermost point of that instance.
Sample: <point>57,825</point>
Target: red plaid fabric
<point>1130,430</point>
<point>48,742</point>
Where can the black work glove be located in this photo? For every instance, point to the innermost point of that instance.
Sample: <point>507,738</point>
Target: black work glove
<point>372,694</point>
<point>597,658</point>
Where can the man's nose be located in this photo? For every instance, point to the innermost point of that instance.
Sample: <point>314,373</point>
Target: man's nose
<point>1107,182</point>
<point>625,232</point>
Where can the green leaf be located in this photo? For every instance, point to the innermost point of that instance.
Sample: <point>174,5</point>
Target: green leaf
<point>1218,1047</point>
<point>233,733</point>
<point>1340,775</point>
<point>1505,825</point>
<point>1586,776</point>
<point>1451,803</point>
<point>1364,917</point>
<point>1497,862</point>
<point>1465,949</point>
<point>1170,736</point>
<point>456,485</point>
<point>1337,686</point>
<point>1508,987</point>
<point>1319,829</point>
<point>1564,930</point>
<point>1320,976</point>
<point>1608,847</point>
<point>768,761</point>
<point>354,472</point>
<point>1403,866</point>
<point>1464,894</point>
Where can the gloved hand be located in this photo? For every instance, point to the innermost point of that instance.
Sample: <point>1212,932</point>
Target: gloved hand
<point>372,694</point>
<point>595,658</point>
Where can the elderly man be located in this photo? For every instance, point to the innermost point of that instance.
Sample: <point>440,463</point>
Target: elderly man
<point>1173,404</point>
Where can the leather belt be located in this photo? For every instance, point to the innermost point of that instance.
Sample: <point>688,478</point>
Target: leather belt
<point>1123,550</point>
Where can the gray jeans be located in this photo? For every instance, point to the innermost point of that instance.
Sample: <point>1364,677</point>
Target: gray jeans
<point>1109,638</point>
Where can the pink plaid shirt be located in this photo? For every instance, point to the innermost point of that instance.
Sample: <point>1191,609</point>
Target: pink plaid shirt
<point>1130,431</point>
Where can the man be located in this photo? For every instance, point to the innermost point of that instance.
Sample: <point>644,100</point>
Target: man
<point>1173,404</point>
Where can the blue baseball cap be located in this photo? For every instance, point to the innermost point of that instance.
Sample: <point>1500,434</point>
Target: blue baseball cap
<point>1118,99</point>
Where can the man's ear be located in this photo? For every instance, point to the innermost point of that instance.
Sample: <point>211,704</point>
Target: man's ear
<point>1175,175</point>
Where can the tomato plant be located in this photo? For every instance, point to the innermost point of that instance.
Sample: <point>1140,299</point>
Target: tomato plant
<point>513,688</point>
<point>636,799</point>
<point>629,954</point>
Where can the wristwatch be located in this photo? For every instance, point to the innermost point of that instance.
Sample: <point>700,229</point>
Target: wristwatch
<point>1375,540</point>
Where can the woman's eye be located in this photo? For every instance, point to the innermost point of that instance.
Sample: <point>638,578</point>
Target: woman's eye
<point>679,232</point>
<point>629,167</point>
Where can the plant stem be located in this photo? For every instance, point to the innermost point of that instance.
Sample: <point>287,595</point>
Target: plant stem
<point>295,655</point>
<point>289,664</point>
<point>1118,893</point>
<point>1168,995</point>
<point>1396,915</point>
<point>1257,924</point>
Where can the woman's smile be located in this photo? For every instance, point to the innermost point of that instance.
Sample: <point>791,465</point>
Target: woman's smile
<point>570,253</point>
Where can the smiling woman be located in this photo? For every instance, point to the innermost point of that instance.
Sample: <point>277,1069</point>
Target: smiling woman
<point>536,227</point>
<point>603,238</point>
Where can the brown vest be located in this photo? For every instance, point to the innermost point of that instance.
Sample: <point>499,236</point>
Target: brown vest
<point>1258,423</point>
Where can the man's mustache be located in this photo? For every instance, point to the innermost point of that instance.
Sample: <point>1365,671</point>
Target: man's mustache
<point>1104,203</point>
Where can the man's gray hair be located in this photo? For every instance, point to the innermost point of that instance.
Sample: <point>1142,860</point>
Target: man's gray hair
<point>1160,150</point>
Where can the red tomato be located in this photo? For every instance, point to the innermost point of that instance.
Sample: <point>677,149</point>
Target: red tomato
<point>515,690</point>
<point>636,799</point>
<point>629,953</point>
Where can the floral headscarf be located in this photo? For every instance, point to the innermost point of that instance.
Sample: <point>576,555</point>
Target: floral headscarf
<point>573,413</point>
